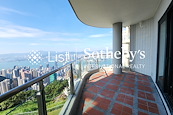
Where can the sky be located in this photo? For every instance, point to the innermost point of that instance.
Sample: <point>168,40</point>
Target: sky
<point>47,25</point>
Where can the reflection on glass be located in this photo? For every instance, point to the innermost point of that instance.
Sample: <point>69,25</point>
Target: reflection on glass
<point>162,50</point>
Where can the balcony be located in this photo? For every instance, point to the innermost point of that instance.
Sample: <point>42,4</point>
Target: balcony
<point>92,90</point>
<point>128,93</point>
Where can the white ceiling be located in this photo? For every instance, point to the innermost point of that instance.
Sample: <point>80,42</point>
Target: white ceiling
<point>103,13</point>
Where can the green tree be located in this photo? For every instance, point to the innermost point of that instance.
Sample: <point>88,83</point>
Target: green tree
<point>55,88</point>
<point>16,99</point>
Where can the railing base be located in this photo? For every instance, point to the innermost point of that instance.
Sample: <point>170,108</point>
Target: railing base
<point>70,107</point>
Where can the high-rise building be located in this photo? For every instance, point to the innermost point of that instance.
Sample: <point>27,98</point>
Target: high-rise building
<point>53,77</point>
<point>34,73</point>
<point>28,68</point>
<point>47,65</point>
<point>35,87</point>
<point>41,67</point>
<point>4,73</point>
<point>28,75</point>
<point>46,81</point>
<point>25,74</point>
<point>9,74</point>
<point>22,72</point>
<point>16,73</point>
<point>14,67</point>
<point>4,86</point>
<point>20,81</point>
<point>14,83</point>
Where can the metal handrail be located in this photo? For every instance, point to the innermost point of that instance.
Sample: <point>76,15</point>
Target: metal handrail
<point>20,88</point>
<point>41,101</point>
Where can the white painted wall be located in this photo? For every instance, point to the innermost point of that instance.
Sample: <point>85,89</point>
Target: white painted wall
<point>144,36</point>
<point>141,39</point>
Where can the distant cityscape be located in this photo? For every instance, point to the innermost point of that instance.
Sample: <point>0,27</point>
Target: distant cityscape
<point>11,78</point>
<point>14,72</point>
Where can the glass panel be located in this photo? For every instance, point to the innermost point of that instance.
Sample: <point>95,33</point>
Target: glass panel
<point>23,103</point>
<point>56,91</point>
<point>171,59</point>
<point>162,53</point>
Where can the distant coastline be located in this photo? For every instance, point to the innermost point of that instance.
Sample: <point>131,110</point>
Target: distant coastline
<point>8,61</point>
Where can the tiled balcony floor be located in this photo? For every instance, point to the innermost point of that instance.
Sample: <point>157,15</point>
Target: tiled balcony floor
<point>124,94</point>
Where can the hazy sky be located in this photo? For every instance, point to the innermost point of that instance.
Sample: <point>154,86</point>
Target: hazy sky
<point>27,25</point>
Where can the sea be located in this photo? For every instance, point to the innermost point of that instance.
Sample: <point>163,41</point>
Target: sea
<point>25,63</point>
<point>9,61</point>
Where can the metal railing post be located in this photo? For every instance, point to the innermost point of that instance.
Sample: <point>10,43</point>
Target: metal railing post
<point>41,100</point>
<point>97,62</point>
<point>86,69</point>
<point>71,80</point>
<point>80,69</point>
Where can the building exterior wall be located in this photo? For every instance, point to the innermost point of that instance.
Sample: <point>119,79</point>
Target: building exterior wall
<point>144,36</point>
<point>141,39</point>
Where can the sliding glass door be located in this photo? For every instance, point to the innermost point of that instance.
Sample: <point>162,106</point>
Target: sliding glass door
<point>162,54</point>
<point>165,57</point>
<point>169,82</point>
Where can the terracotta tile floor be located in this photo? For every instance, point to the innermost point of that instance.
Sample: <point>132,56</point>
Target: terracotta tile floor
<point>124,94</point>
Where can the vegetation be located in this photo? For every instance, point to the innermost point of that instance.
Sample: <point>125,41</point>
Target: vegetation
<point>16,99</point>
<point>25,108</point>
<point>54,112</point>
<point>52,91</point>
<point>55,88</point>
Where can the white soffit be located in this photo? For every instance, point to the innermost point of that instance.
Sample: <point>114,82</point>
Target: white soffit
<point>103,13</point>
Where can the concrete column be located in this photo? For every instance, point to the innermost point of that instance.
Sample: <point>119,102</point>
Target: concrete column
<point>117,44</point>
